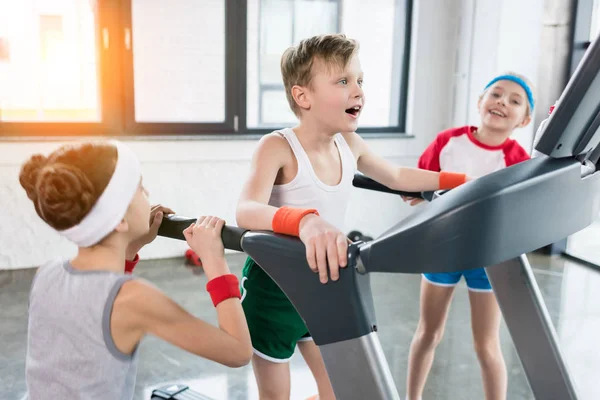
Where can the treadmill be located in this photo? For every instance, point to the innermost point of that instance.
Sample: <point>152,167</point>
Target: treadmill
<point>490,222</point>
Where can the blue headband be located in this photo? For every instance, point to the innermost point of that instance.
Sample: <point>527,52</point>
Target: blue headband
<point>517,80</point>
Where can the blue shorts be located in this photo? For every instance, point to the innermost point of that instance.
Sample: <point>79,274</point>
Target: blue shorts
<point>476,279</point>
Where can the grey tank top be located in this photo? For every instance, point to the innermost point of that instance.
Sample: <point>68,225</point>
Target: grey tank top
<point>70,351</point>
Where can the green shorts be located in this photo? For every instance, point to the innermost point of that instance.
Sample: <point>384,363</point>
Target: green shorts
<point>275,325</point>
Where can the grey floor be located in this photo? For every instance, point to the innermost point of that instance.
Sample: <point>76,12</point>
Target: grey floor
<point>571,292</point>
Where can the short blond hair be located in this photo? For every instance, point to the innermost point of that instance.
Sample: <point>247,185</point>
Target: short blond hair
<point>335,50</point>
<point>524,79</point>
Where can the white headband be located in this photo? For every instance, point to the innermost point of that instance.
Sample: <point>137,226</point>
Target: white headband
<point>112,205</point>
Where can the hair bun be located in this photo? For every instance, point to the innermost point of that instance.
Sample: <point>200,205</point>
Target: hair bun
<point>66,185</point>
<point>65,194</point>
<point>30,173</point>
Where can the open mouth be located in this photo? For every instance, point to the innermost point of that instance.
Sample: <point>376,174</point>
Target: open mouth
<point>497,113</point>
<point>354,111</point>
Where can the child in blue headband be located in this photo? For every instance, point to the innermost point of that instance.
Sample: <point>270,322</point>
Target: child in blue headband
<point>506,103</point>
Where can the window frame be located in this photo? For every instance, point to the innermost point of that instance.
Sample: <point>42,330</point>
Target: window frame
<point>401,59</point>
<point>116,91</point>
<point>276,87</point>
<point>580,41</point>
<point>580,33</point>
<point>131,126</point>
<point>108,89</point>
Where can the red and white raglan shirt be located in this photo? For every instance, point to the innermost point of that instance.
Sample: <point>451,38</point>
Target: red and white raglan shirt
<point>457,150</point>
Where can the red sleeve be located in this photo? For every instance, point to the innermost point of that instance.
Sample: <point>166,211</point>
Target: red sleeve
<point>130,265</point>
<point>515,153</point>
<point>430,159</point>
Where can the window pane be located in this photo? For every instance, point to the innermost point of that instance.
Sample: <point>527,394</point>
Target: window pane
<point>381,56</point>
<point>274,25</point>
<point>48,61</point>
<point>595,26</point>
<point>275,109</point>
<point>179,60</point>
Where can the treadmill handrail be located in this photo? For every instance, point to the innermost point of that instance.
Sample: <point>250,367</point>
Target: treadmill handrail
<point>364,182</point>
<point>173,226</point>
<point>484,222</point>
<point>572,128</point>
<point>490,220</point>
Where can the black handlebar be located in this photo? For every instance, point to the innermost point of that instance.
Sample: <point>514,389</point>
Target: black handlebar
<point>173,226</point>
<point>364,182</point>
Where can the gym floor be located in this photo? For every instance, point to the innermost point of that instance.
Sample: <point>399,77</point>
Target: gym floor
<point>571,293</point>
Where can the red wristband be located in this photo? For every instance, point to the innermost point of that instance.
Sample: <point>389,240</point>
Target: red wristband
<point>130,265</point>
<point>450,180</point>
<point>287,220</point>
<point>223,287</point>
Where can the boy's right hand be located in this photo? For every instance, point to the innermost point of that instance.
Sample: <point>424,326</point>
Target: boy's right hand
<point>324,245</point>
<point>204,237</point>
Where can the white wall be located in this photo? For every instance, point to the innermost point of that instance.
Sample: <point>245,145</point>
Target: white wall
<point>498,36</point>
<point>205,176</point>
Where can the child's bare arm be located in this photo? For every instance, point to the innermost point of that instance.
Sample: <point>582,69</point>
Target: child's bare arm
<point>325,245</point>
<point>253,209</point>
<point>156,215</point>
<point>141,308</point>
<point>393,176</point>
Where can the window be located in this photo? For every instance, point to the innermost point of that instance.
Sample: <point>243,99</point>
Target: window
<point>178,49</point>
<point>144,67</point>
<point>586,27</point>
<point>274,25</point>
<point>595,23</point>
<point>4,51</point>
<point>582,246</point>
<point>49,72</point>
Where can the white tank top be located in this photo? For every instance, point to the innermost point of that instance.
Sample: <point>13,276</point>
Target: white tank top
<point>306,190</point>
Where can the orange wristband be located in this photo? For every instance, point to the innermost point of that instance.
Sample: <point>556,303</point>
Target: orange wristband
<point>287,220</point>
<point>450,180</point>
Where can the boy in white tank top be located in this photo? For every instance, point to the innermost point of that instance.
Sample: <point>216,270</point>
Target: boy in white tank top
<point>299,184</point>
